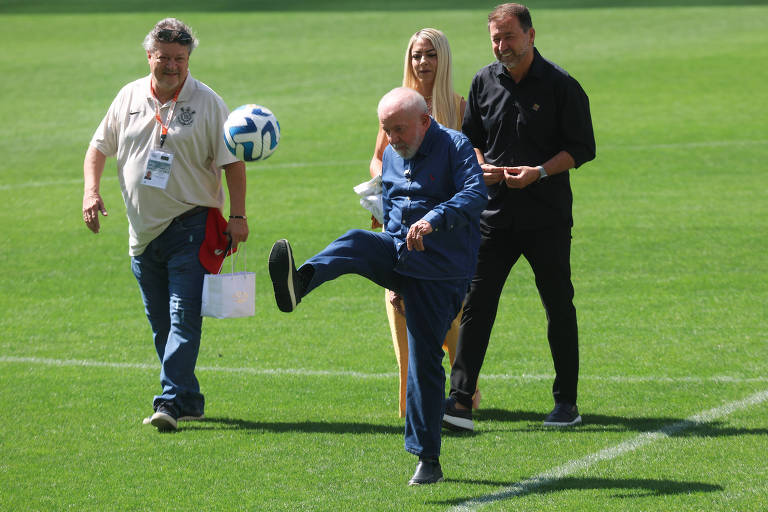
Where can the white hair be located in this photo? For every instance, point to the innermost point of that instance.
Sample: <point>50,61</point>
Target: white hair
<point>403,99</point>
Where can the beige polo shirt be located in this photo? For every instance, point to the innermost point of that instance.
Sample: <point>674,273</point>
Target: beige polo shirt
<point>130,131</point>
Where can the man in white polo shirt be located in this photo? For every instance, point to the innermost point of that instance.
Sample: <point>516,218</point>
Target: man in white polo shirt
<point>165,131</point>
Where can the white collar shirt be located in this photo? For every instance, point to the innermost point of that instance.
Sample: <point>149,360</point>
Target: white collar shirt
<point>129,131</point>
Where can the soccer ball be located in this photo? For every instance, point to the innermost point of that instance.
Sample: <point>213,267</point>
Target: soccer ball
<point>252,132</point>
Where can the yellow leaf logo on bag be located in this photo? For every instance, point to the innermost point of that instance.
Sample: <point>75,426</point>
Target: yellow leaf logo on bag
<point>240,296</point>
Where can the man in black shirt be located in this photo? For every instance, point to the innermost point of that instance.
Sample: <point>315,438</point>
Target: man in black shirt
<point>529,123</point>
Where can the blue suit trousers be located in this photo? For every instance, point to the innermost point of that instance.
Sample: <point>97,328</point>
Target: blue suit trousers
<point>431,305</point>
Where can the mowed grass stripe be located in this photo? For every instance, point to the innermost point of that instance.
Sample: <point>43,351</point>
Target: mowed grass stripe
<point>263,166</point>
<point>305,372</point>
<point>526,486</point>
<point>667,259</point>
<point>107,170</point>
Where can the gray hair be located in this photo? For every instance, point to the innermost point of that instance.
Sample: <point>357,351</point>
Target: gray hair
<point>171,24</point>
<point>404,99</point>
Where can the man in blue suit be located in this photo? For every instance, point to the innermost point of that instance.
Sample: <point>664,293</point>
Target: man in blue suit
<point>433,194</point>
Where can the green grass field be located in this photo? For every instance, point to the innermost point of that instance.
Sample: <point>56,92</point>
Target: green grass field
<point>669,263</point>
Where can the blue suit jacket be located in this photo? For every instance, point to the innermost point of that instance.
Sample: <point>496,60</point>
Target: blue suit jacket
<point>442,184</point>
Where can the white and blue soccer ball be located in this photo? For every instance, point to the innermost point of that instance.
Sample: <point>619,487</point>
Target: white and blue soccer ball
<point>252,132</point>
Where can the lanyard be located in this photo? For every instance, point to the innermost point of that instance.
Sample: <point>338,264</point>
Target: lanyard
<point>164,127</point>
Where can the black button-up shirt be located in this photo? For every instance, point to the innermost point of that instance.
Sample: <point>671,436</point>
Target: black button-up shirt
<point>527,124</point>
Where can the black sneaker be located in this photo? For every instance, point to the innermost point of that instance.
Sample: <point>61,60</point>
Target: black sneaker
<point>191,416</point>
<point>457,419</point>
<point>285,280</point>
<point>165,417</point>
<point>428,471</point>
<point>563,415</point>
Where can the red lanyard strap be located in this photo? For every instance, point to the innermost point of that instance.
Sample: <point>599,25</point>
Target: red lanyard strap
<point>164,126</point>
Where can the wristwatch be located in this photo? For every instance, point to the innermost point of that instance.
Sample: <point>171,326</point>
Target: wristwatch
<point>542,173</point>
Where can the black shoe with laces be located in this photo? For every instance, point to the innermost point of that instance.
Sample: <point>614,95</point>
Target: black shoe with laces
<point>457,419</point>
<point>563,415</point>
<point>184,416</point>
<point>165,417</point>
<point>286,281</point>
<point>428,471</point>
<point>191,416</point>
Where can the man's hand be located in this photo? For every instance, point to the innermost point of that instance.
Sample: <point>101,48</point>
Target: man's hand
<point>92,205</point>
<point>492,174</point>
<point>520,177</point>
<point>237,229</point>
<point>415,237</point>
<point>397,302</point>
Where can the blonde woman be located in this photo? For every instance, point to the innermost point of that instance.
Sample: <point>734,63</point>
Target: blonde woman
<point>427,69</point>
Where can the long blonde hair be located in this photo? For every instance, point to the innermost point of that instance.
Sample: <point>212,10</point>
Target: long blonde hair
<point>444,105</point>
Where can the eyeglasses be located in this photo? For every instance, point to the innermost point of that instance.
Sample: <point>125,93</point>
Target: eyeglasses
<point>168,35</point>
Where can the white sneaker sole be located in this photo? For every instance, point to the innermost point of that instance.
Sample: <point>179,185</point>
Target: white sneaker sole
<point>148,419</point>
<point>575,421</point>
<point>411,482</point>
<point>163,421</point>
<point>454,422</point>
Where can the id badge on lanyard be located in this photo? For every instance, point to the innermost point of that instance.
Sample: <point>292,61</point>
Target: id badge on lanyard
<point>158,168</point>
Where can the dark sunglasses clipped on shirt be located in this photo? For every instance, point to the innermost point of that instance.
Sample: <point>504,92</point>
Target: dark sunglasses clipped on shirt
<point>168,35</point>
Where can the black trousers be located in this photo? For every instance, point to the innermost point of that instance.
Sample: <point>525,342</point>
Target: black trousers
<point>548,251</point>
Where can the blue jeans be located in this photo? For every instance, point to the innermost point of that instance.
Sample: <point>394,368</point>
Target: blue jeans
<point>170,277</point>
<point>430,307</point>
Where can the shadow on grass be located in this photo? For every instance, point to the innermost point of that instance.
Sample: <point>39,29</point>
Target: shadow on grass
<point>307,427</point>
<point>341,6</point>
<point>625,488</point>
<point>459,433</point>
<point>605,423</point>
<point>674,427</point>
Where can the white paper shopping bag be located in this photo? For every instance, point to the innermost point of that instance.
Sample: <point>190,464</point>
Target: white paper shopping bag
<point>370,197</point>
<point>229,295</point>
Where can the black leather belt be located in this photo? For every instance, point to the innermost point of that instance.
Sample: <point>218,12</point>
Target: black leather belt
<point>193,211</point>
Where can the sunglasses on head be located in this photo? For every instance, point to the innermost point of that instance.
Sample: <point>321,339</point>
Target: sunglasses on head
<point>168,35</point>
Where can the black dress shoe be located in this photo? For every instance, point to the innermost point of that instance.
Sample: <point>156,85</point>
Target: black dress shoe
<point>285,280</point>
<point>427,472</point>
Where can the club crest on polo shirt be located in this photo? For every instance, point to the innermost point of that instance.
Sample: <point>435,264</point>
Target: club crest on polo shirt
<point>186,116</point>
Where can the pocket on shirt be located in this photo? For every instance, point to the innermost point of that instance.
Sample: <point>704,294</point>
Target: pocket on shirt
<point>536,122</point>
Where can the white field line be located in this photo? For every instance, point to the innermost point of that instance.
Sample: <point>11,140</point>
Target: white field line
<point>519,488</point>
<point>50,183</point>
<point>145,366</point>
<point>531,484</point>
<point>304,372</point>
